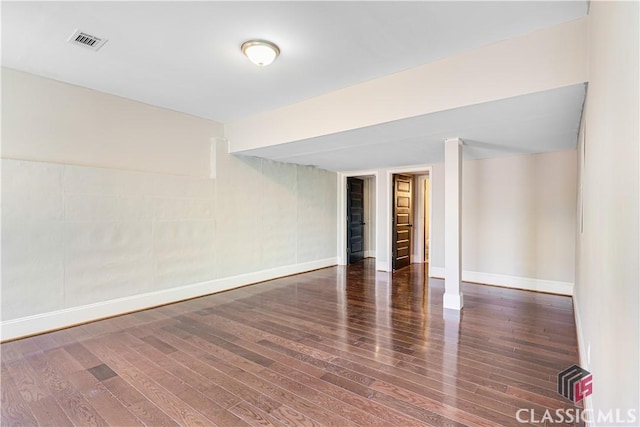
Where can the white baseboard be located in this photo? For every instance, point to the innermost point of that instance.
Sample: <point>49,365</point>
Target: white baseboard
<point>382,265</point>
<point>453,301</point>
<point>39,323</point>
<point>369,254</point>
<point>584,360</point>
<point>581,344</point>
<point>530,284</point>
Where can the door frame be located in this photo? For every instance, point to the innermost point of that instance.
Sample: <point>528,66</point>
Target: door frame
<point>412,219</point>
<point>341,250</point>
<point>383,212</point>
<point>350,226</point>
<point>422,170</point>
<point>419,244</point>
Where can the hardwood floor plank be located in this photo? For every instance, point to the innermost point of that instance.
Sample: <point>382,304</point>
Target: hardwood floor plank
<point>163,398</point>
<point>158,344</point>
<point>89,383</point>
<point>195,359</point>
<point>248,338</point>
<point>185,391</point>
<point>70,400</point>
<point>356,399</point>
<point>250,379</point>
<point>342,346</point>
<point>83,356</point>
<point>293,400</point>
<point>49,413</point>
<point>136,402</point>
<point>208,388</point>
<point>46,341</point>
<point>455,414</point>
<point>10,351</point>
<point>26,380</point>
<point>253,415</point>
<point>14,411</point>
<point>197,330</point>
<point>353,414</point>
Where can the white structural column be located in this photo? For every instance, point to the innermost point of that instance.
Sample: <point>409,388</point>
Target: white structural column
<point>452,223</point>
<point>383,221</point>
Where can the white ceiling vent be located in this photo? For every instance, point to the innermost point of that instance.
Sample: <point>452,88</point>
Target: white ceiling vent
<point>86,40</point>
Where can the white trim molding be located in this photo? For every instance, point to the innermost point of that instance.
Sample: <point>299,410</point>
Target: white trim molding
<point>516,282</point>
<point>341,213</point>
<point>583,349</point>
<point>45,322</point>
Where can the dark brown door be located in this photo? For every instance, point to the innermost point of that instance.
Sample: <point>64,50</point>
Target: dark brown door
<point>355,219</point>
<point>402,220</point>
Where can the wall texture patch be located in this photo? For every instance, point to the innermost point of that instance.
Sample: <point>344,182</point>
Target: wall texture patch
<point>77,235</point>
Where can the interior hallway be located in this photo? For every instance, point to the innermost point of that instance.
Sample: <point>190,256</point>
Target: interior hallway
<point>337,346</point>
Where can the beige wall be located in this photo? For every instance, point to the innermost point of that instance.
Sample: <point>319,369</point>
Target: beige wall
<point>370,216</point>
<point>437,217</point>
<point>427,215</point>
<point>80,241</point>
<point>607,296</point>
<point>545,59</point>
<point>518,215</point>
<point>51,121</point>
<point>518,218</point>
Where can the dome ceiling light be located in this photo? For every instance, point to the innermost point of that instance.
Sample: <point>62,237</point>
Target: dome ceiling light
<point>260,52</point>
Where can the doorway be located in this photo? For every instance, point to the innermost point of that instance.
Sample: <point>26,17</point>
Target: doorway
<point>378,215</point>
<point>355,219</point>
<point>402,220</point>
<point>422,226</point>
<point>415,203</point>
<point>360,227</point>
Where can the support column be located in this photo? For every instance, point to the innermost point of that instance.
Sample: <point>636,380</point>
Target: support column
<point>452,223</point>
<point>383,221</point>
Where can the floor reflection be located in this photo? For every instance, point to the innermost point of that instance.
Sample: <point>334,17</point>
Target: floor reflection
<point>340,346</point>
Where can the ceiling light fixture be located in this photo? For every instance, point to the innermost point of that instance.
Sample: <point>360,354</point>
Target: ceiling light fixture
<point>260,52</point>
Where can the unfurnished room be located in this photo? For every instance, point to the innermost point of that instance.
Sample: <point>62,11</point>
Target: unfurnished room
<point>320,213</point>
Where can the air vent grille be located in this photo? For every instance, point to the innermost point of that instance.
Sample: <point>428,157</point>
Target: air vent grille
<point>86,40</point>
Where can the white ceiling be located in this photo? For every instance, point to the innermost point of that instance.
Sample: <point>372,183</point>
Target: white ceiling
<point>186,56</point>
<point>535,123</point>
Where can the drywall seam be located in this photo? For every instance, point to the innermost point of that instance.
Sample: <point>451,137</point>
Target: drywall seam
<point>44,322</point>
<point>517,282</point>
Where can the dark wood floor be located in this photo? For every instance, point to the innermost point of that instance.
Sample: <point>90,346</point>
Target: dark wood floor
<point>338,346</point>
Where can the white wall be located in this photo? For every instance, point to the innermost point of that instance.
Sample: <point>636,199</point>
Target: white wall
<point>437,220</point>
<point>545,59</point>
<point>427,218</point>
<point>81,242</point>
<point>518,225</point>
<point>519,216</point>
<point>51,121</point>
<point>420,217</point>
<point>607,296</point>
<point>518,221</point>
<point>370,216</point>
